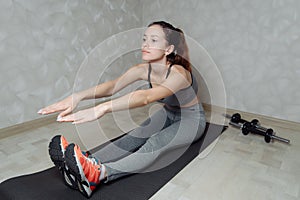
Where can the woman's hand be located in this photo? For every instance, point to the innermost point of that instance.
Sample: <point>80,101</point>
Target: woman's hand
<point>66,106</point>
<point>86,115</point>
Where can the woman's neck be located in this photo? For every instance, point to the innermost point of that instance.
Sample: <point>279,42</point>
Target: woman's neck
<point>159,68</point>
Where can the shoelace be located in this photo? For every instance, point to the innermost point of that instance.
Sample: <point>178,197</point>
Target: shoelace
<point>93,160</point>
<point>92,171</point>
<point>92,167</point>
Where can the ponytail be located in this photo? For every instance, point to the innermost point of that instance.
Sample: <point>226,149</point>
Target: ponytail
<point>175,36</point>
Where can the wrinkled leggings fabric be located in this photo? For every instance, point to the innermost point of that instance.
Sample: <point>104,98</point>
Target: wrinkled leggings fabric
<point>165,130</point>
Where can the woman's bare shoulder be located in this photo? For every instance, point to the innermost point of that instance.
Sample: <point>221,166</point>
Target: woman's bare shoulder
<point>180,69</point>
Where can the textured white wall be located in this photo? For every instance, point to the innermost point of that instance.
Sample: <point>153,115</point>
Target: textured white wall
<point>43,43</point>
<point>255,44</point>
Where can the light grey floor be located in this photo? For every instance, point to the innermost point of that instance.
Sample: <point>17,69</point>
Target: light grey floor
<point>234,167</point>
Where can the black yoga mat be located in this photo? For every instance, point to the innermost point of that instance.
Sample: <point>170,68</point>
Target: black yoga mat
<point>48,184</point>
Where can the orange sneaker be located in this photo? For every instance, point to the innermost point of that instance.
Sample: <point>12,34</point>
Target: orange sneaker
<point>57,149</point>
<point>87,170</point>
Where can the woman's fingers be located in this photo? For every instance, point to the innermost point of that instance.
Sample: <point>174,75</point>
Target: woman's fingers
<point>65,107</point>
<point>65,112</point>
<point>57,107</point>
<point>79,117</point>
<point>46,111</point>
<point>50,109</point>
<point>69,118</point>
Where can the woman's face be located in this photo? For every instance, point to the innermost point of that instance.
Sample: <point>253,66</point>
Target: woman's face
<point>154,44</point>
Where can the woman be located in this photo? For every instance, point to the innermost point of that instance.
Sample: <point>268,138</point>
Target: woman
<point>180,122</point>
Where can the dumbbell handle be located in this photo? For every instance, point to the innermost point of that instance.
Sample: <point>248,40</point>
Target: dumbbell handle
<point>260,127</point>
<point>236,125</point>
<point>280,139</point>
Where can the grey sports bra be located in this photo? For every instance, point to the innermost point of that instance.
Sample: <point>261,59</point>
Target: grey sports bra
<point>180,97</point>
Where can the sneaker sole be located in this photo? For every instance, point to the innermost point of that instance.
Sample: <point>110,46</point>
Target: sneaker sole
<point>56,152</point>
<point>76,170</point>
<point>57,157</point>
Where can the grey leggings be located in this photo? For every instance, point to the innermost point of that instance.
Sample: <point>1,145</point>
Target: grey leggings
<point>164,130</point>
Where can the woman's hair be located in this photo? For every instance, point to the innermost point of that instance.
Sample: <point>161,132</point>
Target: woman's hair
<point>175,36</point>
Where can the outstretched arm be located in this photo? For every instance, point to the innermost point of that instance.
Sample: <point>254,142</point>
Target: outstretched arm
<point>175,82</point>
<point>68,104</point>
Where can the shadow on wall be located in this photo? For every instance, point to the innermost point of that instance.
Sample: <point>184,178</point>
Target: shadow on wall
<point>211,88</point>
<point>205,95</point>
